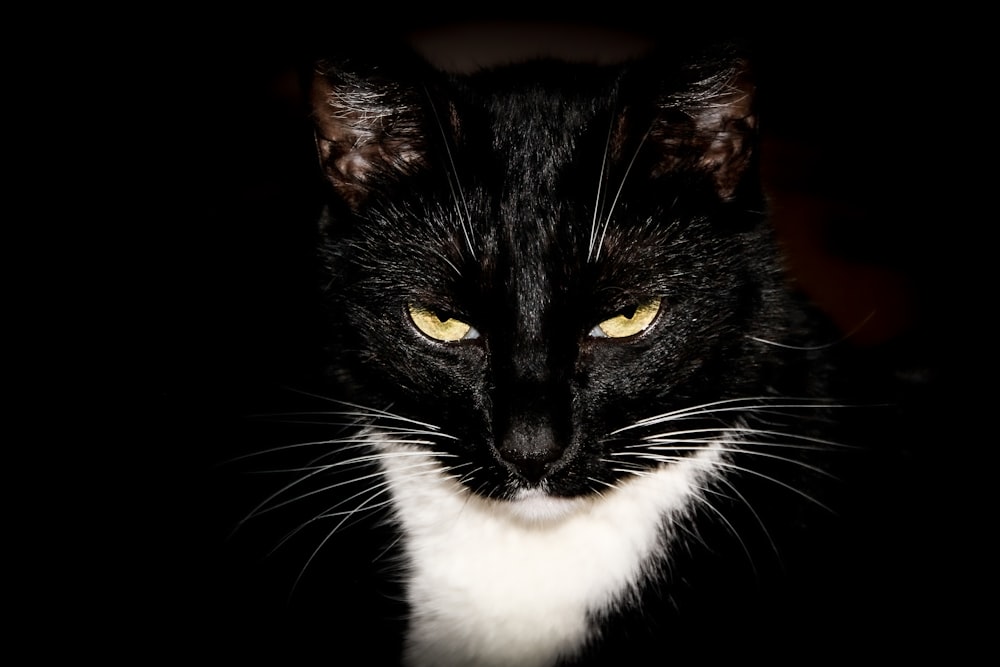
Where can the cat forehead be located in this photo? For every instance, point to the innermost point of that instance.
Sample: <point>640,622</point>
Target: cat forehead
<point>537,95</point>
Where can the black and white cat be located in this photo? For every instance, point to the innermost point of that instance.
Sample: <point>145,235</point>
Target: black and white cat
<point>567,371</point>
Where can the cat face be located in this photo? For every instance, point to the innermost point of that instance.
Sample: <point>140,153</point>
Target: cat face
<point>540,268</point>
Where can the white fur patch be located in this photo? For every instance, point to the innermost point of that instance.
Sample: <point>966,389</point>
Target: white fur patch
<point>495,583</point>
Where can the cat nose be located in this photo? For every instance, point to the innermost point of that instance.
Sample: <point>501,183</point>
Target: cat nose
<point>530,465</point>
<point>530,447</point>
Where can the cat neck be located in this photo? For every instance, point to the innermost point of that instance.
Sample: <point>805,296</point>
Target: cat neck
<point>520,582</point>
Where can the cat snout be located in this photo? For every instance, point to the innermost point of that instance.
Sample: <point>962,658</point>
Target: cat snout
<point>530,447</point>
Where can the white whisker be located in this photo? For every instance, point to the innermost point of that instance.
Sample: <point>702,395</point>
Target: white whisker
<point>269,504</point>
<point>338,445</point>
<point>363,411</point>
<point>655,456</point>
<point>823,346</point>
<point>329,512</point>
<point>332,532</point>
<point>621,186</point>
<point>755,404</point>
<point>700,498</point>
<point>465,478</point>
<point>602,483</point>
<point>454,183</point>
<point>601,190</point>
<point>750,452</point>
<point>672,436</point>
<point>753,513</point>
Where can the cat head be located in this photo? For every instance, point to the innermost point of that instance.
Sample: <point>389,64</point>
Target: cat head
<point>532,258</point>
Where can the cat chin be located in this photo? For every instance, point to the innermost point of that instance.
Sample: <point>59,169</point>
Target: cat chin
<point>536,506</point>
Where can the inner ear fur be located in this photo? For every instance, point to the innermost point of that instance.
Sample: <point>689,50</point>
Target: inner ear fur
<point>705,121</point>
<point>367,123</point>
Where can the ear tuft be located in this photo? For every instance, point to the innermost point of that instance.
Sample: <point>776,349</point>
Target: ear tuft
<point>726,123</point>
<point>707,123</point>
<point>367,126</point>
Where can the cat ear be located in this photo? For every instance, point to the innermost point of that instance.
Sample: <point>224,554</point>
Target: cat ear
<point>707,122</point>
<point>367,126</point>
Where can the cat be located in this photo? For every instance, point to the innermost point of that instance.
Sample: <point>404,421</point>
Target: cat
<point>571,391</point>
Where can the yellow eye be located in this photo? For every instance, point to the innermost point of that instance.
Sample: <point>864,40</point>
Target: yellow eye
<point>447,330</point>
<point>627,323</point>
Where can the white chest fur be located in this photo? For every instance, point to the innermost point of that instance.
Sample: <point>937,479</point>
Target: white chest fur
<point>493,583</point>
